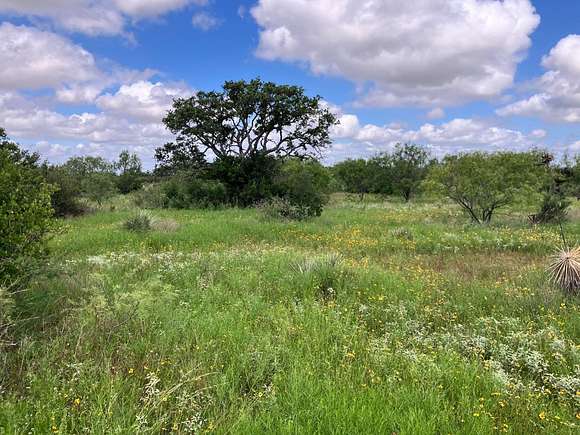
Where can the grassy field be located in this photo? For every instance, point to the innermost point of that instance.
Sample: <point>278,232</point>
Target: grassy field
<point>374,318</point>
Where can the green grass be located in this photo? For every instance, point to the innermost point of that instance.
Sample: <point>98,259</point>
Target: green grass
<point>374,318</point>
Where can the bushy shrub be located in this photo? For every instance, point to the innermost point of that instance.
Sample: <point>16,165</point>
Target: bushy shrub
<point>65,199</point>
<point>129,182</point>
<point>152,196</point>
<point>247,180</point>
<point>25,213</point>
<point>189,192</point>
<point>305,185</point>
<point>282,208</point>
<point>139,223</point>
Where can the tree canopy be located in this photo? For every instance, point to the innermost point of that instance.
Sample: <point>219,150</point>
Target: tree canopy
<point>250,118</point>
<point>481,183</point>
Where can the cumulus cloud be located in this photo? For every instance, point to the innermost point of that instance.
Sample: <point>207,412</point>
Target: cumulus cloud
<point>34,59</point>
<point>558,90</point>
<point>143,100</point>
<point>353,139</point>
<point>37,59</point>
<point>204,21</point>
<point>106,132</point>
<point>419,52</point>
<point>93,17</point>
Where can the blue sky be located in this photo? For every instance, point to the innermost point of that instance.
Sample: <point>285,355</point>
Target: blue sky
<point>96,76</point>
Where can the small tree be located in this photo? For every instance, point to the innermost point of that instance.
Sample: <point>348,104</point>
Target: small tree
<point>94,175</point>
<point>98,187</point>
<point>356,176</point>
<point>408,166</point>
<point>555,202</point>
<point>130,174</point>
<point>482,183</point>
<point>67,190</point>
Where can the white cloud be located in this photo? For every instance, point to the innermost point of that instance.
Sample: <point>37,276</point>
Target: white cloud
<point>354,140</point>
<point>35,59</point>
<point>419,52</point>
<point>204,21</point>
<point>93,17</point>
<point>148,8</point>
<point>143,100</point>
<point>558,97</point>
<point>436,113</point>
<point>29,120</point>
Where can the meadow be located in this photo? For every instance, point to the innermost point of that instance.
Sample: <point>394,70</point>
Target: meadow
<point>377,317</point>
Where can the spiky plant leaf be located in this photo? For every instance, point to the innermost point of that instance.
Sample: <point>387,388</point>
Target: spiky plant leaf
<point>565,269</point>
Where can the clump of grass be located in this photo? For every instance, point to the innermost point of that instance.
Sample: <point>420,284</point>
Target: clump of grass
<point>325,273</point>
<point>565,270</point>
<point>166,225</point>
<point>402,233</point>
<point>141,222</point>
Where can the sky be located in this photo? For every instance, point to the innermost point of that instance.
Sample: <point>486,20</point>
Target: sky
<point>94,77</point>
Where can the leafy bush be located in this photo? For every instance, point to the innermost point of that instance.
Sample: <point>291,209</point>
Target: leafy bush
<point>25,212</point>
<point>65,199</point>
<point>152,196</point>
<point>305,185</point>
<point>184,191</point>
<point>139,223</point>
<point>282,208</point>
<point>247,180</point>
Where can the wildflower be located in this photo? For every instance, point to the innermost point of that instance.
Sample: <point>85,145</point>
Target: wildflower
<point>77,401</point>
<point>542,415</point>
<point>131,370</point>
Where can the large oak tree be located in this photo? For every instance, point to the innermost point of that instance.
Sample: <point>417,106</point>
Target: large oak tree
<point>247,119</point>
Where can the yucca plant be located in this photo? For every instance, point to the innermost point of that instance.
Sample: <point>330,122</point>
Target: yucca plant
<point>565,270</point>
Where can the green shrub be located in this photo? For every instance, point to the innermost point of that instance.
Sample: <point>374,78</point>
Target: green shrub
<point>65,199</point>
<point>282,208</point>
<point>247,180</point>
<point>25,213</point>
<point>305,185</point>
<point>184,191</point>
<point>141,222</point>
<point>152,196</point>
